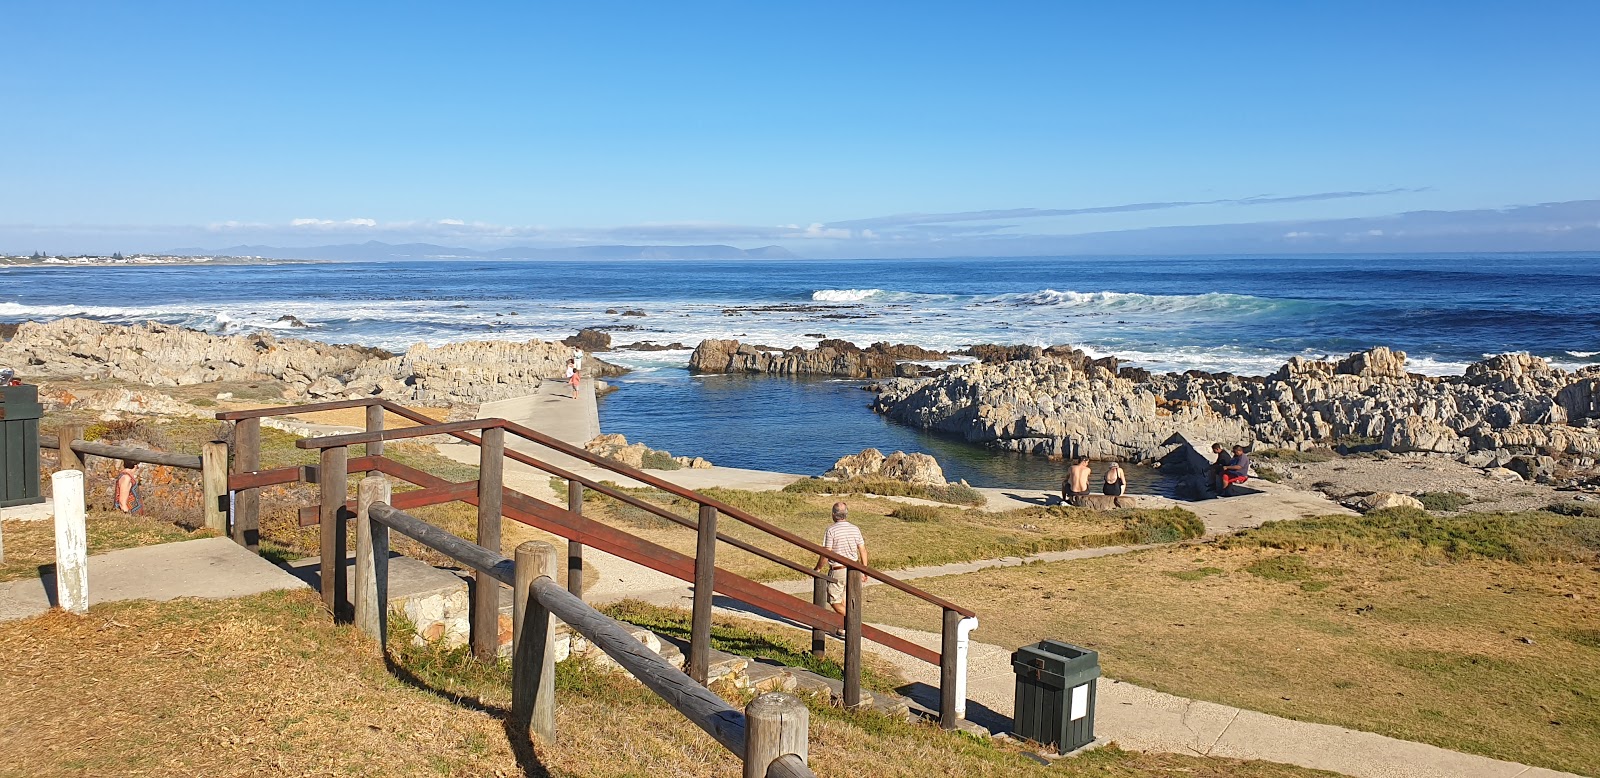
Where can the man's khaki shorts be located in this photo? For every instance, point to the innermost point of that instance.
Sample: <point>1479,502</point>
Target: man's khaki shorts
<point>836,585</point>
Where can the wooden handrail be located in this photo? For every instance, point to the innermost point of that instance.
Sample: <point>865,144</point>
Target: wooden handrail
<point>358,438</point>
<point>728,510</point>
<point>130,453</point>
<point>289,410</point>
<point>704,709</point>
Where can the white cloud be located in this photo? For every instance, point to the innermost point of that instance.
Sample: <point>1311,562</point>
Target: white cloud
<point>321,223</point>
<point>452,222</point>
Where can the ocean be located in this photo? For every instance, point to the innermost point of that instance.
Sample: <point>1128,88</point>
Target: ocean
<point>1244,314</point>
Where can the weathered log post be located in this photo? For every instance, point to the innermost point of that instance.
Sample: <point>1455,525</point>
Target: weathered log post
<point>852,638</point>
<point>486,591</point>
<point>247,502</point>
<point>214,486</point>
<point>948,658</point>
<point>819,598</point>
<point>574,548</point>
<point>69,459</point>
<point>375,424</point>
<point>72,541</point>
<point>372,562</point>
<point>533,654</point>
<point>705,573</point>
<point>333,481</point>
<point>776,725</point>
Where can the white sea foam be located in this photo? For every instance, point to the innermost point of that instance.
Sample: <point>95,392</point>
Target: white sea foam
<point>1583,354</point>
<point>844,295</point>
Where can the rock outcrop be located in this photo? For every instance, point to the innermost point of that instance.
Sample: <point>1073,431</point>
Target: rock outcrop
<point>899,466</point>
<point>154,354</point>
<point>589,340</point>
<point>1068,407</point>
<point>616,448</point>
<point>830,357</point>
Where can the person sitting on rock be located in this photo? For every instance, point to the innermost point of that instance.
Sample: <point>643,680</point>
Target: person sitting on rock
<point>1237,471</point>
<point>1116,482</point>
<point>1076,485</point>
<point>1214,473</point>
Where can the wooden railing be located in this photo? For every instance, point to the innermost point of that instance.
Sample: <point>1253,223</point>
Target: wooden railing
<point>212,464</point>
<point>494,501</point>
<point>770,737</point>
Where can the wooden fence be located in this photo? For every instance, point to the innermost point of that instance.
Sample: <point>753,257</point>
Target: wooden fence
<point>494,502</point>
<point>770,736</point>
<point>212,464</point>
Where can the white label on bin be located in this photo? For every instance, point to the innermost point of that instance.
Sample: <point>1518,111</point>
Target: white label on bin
<point>1080,701</point>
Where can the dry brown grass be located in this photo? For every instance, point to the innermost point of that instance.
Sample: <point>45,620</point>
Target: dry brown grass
<point>267,685</point>
<point>1407,646</point>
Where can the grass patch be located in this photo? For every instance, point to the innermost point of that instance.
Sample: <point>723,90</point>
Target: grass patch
<point>31,545</point>
<point>1404,624</point>
<point>1589,510</point>
<point>954,494</point>
<point>1410,533</point>
<point>1298,457</point>
<point>898,535</point>
<point>757,640</point>
<point>1446,502</point>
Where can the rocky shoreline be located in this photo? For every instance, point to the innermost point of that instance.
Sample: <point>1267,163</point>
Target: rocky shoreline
<point>460,375</point>
<point>1504,407</point>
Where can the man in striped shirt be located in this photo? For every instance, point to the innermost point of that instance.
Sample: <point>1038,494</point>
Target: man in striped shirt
<point>844,539</point>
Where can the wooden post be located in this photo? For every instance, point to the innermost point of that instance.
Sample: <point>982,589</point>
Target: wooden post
<point>533,654</point>
<point>574,548</point>
<point>333,483</point>
<point>375,424</point>
<point>247,502</point>
<point>705,573</point>
<point>776,725</point>
<point>947,670</point>
<point>372,562</point>
<point>72,460</point>
<point>486,593</point>
<point>819,598</point>
<point>852,638</point>
<point>214,485</point>
<point>72,542</point>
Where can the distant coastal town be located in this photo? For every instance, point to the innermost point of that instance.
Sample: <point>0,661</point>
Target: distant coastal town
<point>104,260</point>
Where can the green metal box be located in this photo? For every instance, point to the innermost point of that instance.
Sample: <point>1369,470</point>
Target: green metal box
<point>19,445</point>
<point>1055,694</point>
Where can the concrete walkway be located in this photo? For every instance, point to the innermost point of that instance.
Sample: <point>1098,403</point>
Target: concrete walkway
<point>210,568</point>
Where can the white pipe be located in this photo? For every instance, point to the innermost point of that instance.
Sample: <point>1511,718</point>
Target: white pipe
<point>963,641</point>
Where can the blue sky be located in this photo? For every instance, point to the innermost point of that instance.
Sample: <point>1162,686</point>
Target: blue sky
<point>151,125</point>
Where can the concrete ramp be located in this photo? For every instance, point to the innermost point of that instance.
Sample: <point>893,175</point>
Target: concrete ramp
<point>212,568</point>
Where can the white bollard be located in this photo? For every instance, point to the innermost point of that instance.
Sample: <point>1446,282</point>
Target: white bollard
<point>72,542</point>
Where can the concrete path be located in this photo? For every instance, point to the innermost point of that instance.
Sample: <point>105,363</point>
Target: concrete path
<point>1146,720</point>
<point>211,568</point>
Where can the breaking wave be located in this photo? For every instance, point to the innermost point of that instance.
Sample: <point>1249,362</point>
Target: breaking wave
<point>1133,302</point>
<point>844,295</point>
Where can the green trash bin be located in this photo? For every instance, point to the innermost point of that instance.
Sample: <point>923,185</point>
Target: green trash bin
<point>19,445</point>
<point>1055,694</point>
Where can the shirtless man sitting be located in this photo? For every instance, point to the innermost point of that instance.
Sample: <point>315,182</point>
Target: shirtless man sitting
<point>1076,485</point>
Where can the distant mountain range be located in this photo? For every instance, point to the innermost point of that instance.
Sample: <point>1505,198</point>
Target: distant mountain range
<point>374,250</point>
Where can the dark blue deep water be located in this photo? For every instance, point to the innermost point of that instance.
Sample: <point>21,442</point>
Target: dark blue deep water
<point>1245,314</point>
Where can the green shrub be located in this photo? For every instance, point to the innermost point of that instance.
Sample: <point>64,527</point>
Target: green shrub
<point>1166,525</point>
<point>1444,501</point>
<point>660,460</point>
<point>918,513</point>
<point>954,494</point>
<point>1585,509</point>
